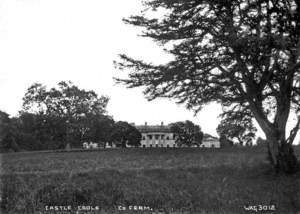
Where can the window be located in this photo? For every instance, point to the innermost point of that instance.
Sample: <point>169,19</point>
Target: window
<point>156,137</point>
<point>144,138</point>
<point>150,137</point>
<point>168,146</point>
<point>212,146</point>
<point>156,145</point>
<point>144,146</point>
<point>167,138</point>
<point>151,145</point>
<point>162,137</point>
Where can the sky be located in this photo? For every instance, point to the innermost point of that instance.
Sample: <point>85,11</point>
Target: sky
<point>78,40</point>
<point>47,41</point>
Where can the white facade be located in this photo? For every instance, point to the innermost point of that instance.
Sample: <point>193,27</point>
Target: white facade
<point>90,145</point>
<point>158,139</point>
<point>156,136</point>
<point>210,142</point>
<point>161,136</point>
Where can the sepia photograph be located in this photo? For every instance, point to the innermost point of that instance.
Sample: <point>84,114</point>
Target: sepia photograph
<point>150,107</point>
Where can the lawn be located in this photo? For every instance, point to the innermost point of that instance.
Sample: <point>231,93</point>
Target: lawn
<point>155,180</point>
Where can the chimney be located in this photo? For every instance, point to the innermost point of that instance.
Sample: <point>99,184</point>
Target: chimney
<point>162,123</point>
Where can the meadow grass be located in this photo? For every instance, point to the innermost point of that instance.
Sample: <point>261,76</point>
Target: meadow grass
<point>166,180</point>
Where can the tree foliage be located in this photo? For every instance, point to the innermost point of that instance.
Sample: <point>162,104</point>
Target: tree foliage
<point>65,114</point>
<point>187,133</point>
<point>225,142</point>
<point>98,128</point>
<point>261,142</point>
<point>39,132</point>
<point>229,51</point>
<point>7,133</point>
<point>63,117</point>
<point>4,124</point>
<point>126,134</point>
<point>67,101</point>
<point>237,125</point>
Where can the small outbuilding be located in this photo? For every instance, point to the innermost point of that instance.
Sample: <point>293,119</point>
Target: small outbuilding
<point>209,141</point>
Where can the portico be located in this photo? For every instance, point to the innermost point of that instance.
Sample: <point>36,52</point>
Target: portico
<point>156,136</point>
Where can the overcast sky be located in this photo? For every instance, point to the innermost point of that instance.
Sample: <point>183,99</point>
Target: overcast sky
<point>48,41</point>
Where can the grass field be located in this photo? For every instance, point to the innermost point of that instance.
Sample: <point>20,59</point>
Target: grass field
<point>164,180</point>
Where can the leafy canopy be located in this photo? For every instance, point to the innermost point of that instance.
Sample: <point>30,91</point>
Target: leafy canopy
<point>67,100</point>
<point>65,114</point>
<point>187,133</point>
<point>237,125</point>
<point>126,134</point>
<point>230,51</point>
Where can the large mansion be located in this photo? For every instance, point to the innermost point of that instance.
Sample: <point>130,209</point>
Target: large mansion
<point>162,136</point>
<point>156,136</point>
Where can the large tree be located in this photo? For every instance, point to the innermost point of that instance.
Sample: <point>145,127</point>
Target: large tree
<point>187,133</point>
<point>237,125</point>
<point>98,128</point>
<point>66,100</point>
<point>4,126</point>
<point>39,131</point>
<point>125,134</point>
<point>75,110</point>
<point>7,133</point>
<point>230,51</point>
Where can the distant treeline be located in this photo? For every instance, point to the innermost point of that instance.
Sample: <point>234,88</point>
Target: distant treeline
<point>66,116</point>
<point>60,117</point>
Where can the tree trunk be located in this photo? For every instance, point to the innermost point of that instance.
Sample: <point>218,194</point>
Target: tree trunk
<point>281,155</point>
<point>123,143</point>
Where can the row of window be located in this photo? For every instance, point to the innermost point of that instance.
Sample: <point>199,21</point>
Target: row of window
<point>203,146</point>
<point>144,146</point>
<point>157,137</point>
